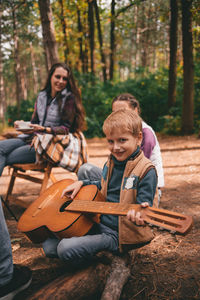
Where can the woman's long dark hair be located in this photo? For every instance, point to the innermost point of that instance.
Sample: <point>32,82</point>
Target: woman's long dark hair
<point>79,114</point>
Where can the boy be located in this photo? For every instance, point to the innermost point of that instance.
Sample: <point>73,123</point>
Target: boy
<point>149,145</point>
<point>128,177</point>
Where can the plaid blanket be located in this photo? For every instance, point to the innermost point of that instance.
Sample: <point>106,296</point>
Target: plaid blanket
<point>66,151</point>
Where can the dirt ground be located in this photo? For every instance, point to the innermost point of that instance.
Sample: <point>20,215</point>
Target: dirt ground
<point>167,268</point>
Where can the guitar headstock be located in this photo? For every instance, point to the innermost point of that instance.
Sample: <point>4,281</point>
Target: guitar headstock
<point>164,219</point>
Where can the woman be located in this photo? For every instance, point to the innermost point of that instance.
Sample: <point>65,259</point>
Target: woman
<point>58,110</point>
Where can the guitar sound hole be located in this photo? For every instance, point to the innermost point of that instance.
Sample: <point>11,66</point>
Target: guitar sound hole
<point>68,202</point>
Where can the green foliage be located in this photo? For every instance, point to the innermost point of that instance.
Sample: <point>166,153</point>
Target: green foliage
<point>151,92</point>
<point>26,110</point>
<point>171,123</point>
<point>97,102</point>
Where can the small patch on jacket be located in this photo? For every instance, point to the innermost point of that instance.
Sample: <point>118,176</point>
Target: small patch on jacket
<point>130,182</point>
<point>105,172</point>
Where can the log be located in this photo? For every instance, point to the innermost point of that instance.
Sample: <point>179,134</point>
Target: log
<point>107,271</point>
<point>81,285</point>
<point>119,273</point>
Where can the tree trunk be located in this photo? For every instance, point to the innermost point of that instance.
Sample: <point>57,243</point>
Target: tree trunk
<point>147,35</point>
<point>155,36</point>
<point>80,40</point>
<point>50,45</point>
<point>34,70</point>
<point>2,95</point>
<point>63,23</point>
<point>173,52</point>
<point>23,80</point>
<point>83,41</point>
<point>16,61</point>
<point>91,34</point>
<point>2,91</point>
<point>103,60</point>
<point>112,40</point>
<point>143,34</point>
<point>188,68</point>
<point>137,35</point>
<point>86,59</point>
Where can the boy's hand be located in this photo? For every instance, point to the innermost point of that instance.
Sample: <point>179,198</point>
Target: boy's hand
<point>135,217</point>
<point>72,189</point>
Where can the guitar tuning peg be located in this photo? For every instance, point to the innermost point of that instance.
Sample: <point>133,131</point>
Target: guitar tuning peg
<point>172,231</point>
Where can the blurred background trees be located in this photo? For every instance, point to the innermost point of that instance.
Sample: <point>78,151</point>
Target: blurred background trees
<point>148,48</point>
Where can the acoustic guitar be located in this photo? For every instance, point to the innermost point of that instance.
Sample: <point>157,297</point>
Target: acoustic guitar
<point>53,215</point>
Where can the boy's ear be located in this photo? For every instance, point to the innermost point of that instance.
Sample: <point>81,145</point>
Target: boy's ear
<point>140,138</point>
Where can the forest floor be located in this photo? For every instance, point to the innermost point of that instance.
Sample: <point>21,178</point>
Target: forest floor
<point>167,268</point>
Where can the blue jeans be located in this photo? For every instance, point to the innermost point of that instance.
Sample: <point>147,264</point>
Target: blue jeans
<point>89,172</point>
<point>15,151</point>
<point>76,250</point>
<point>6,261</point>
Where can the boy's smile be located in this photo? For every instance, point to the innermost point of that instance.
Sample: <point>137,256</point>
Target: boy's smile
<point>122,143</point>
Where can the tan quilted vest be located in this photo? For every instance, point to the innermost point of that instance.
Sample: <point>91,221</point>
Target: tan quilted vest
<point>129,234</point>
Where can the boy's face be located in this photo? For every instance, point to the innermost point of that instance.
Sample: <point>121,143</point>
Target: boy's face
<point>122,143</point>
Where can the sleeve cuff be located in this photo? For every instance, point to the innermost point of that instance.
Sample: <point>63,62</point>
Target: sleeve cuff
<point>86,182</point>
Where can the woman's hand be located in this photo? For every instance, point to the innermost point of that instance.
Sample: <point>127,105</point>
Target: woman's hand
<point>135,217</point>
<point>37,127</point>
<point>17,123</point>
<point>24,126</point>
<point>72,189</point>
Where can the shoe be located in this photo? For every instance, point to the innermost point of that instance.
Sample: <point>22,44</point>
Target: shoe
<point>21,279</point>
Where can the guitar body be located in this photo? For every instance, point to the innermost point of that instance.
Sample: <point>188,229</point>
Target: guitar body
<point>46,216</point>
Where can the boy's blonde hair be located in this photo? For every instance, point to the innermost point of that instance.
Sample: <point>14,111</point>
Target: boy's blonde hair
<point>125,120</point>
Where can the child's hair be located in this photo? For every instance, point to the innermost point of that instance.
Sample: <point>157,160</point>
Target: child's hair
<point>132,101</point>
<point>123,120</point>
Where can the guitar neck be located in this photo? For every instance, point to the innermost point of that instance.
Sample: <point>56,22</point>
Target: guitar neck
<point>171,221</point>
<point>96,207</point>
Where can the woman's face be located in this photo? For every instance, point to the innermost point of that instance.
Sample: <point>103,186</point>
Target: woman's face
<point>58,80</point>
